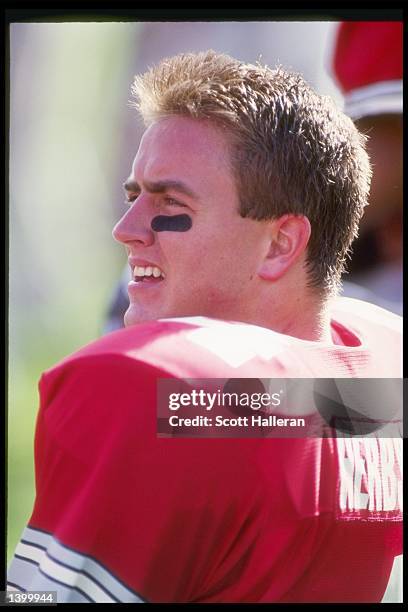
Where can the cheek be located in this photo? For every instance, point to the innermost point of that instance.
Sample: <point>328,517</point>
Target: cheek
<point>181,250</point>
<point>222,259</point>
<point>181,246</point>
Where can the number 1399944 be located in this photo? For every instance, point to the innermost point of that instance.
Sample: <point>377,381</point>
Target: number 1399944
<point>29,597</point>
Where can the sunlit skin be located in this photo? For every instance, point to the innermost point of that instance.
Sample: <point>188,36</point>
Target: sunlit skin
<point>225,266</point>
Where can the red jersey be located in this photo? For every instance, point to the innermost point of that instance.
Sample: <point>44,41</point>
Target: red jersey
<point>124,516</point>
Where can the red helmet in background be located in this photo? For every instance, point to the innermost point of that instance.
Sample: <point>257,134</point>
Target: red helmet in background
<point>367,64</point>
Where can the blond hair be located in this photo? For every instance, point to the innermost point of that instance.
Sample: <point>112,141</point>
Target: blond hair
<point>292,150</point>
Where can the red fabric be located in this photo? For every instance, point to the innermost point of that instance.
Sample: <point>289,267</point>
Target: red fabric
<point>208,520</point>
<point>368,52</point>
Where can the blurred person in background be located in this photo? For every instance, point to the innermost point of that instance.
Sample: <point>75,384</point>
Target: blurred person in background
<point>243,201</point>
<point>367,64</point>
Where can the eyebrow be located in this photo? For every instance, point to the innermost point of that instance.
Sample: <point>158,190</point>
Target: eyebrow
<point>160,187</point>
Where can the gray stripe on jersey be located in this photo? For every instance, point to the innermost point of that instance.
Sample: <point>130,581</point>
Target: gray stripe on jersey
<point>72,569</point>
<point>29,578</point>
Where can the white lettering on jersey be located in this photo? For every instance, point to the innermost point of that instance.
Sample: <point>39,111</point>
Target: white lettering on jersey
<point>346,472</point>
<point>373,474</point>
<point>370,473</point>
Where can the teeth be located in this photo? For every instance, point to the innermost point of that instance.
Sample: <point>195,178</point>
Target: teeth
<point>148,271</point>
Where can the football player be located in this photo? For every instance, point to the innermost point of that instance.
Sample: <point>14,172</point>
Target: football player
<point>244,198</point>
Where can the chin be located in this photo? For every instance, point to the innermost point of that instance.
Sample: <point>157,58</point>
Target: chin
<point>136,315</point>
<point>133,316</point>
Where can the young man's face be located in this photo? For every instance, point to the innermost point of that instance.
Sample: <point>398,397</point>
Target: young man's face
<point>210,255</point>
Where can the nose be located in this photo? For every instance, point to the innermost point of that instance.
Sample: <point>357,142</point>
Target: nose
<point>133,227</point>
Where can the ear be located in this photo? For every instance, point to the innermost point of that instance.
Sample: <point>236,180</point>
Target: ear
<point>289,238</point>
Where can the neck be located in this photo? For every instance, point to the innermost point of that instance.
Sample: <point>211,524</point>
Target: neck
<point>310,323</point>
<point>303,316</point>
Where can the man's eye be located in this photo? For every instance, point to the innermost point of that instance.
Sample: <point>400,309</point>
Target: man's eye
<point>172,202</point>
<point>131,198</point>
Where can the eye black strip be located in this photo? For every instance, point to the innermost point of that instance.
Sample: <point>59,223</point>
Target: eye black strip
<point>176,223</point>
